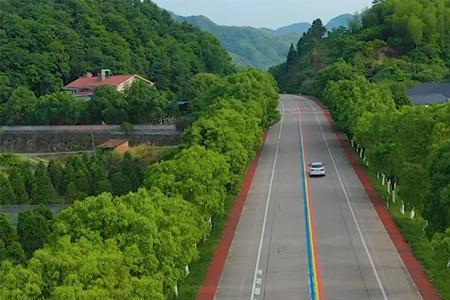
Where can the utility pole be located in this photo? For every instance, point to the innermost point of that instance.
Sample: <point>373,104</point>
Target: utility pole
<point>93,142</point>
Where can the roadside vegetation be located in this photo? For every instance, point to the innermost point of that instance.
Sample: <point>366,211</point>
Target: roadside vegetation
<point>138,245</point>
<point>361,75</point>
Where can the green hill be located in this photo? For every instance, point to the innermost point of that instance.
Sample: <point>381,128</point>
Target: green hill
<point>45,44</point>
<point>248,46</point>
<point>294,28</point>
<point>258,47</point>
<point>341,20</point>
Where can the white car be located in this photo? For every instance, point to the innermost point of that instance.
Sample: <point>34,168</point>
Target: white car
<point>316,169</point>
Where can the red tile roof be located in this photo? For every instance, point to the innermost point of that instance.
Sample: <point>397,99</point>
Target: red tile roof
<point>95,81</point>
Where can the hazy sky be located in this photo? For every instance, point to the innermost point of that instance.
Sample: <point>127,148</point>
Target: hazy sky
<point>263,13</point>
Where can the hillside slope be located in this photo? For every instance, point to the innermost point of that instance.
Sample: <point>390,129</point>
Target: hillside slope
<point>248,46</point>
<point>44,44</point>
<point>294,28</point>
<point>341,20</point>
<point>258,47</point>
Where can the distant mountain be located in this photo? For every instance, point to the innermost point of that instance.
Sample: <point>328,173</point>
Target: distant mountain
<point>248,46</point>
<point>300,28</point>
<point>258,47</point>
<point>294,28</point>
<point>339,21</point>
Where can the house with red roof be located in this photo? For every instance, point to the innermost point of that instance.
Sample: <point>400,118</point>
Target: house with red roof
<point>84,87</point>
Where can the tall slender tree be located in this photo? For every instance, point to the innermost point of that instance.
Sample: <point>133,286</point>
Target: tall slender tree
<point>18,185</point>
<point>33,230</point>
<point>45,192</point>
<point>7,195</point>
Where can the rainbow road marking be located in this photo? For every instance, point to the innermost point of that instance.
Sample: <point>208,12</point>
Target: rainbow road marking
<point>315,286</point>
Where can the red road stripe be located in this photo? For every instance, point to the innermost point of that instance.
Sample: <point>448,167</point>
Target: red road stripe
<point>414,267</point>
<point>211,282</point>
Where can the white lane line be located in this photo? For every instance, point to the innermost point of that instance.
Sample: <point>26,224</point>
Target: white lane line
<point>263,229</point>
<point>350,207</point>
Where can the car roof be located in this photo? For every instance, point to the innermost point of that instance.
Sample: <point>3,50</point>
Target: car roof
<point>317,163</point>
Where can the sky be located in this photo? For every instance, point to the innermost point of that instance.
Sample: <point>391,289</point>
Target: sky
<point>264,13</point>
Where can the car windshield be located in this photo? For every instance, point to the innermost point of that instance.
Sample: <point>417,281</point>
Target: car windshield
<point>316,165</point>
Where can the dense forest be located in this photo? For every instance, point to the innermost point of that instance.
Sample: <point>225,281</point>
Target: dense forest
<point>395,43</point>
<point>138,245</point>
<point>361,75</point>
<point>64,182</point>
<point>45,44</point>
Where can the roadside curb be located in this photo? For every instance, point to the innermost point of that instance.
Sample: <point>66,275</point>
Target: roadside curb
<point>412,264</point>
<point>211,281</point>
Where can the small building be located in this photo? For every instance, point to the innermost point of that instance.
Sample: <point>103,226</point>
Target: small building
<point>84,87</point>
<point>183,106</point>
<point>429,93</point>
<point>120,145</point>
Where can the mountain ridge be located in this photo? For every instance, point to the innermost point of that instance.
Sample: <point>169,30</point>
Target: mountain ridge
<point>257,47</point>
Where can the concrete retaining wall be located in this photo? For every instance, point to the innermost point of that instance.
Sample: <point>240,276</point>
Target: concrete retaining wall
<point>44,139</point>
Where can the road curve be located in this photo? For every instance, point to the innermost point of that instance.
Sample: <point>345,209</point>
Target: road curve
<point>310,238</point>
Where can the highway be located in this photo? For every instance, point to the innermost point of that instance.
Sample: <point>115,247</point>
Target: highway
<point>310,238</point>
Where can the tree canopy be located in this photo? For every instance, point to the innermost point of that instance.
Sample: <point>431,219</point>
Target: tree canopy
<point>137,245</point>
<point>392,42</point>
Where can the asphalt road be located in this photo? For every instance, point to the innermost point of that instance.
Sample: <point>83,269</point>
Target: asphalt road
<point>327,245</point>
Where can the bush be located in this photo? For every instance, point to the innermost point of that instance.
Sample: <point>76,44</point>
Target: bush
<point>127,127</point>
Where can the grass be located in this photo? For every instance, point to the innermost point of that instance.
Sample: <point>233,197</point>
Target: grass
<point>415,236</point>
<point>146,153</point>
<point>188,289</point>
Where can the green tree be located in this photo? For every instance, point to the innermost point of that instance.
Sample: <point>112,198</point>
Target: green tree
<point>83,269</point>
<point>7,232</point>
<point>71,193</point>
<point>45,212</point>
<point>18,186</point>
<point>203,90</point>
<point>20,107</point>
<point>131,170</point>
<point>45,192</point>
<point>441,247</point>
<point>55,171</point>
<point>81,174</point>
<point>67,178</point>
<point>195,174</point>
<point>292,56</point>
<point>7,195</point>
<point>33,230</point>
<point>10,248</point>
<point>29,179</point>
<point>145,103</point>
<point>109,105</point>
<point>99,177</point>
<point>121,183</point>
<point>60,108</point>
<point>338,71</point>
<point>414,185</point>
